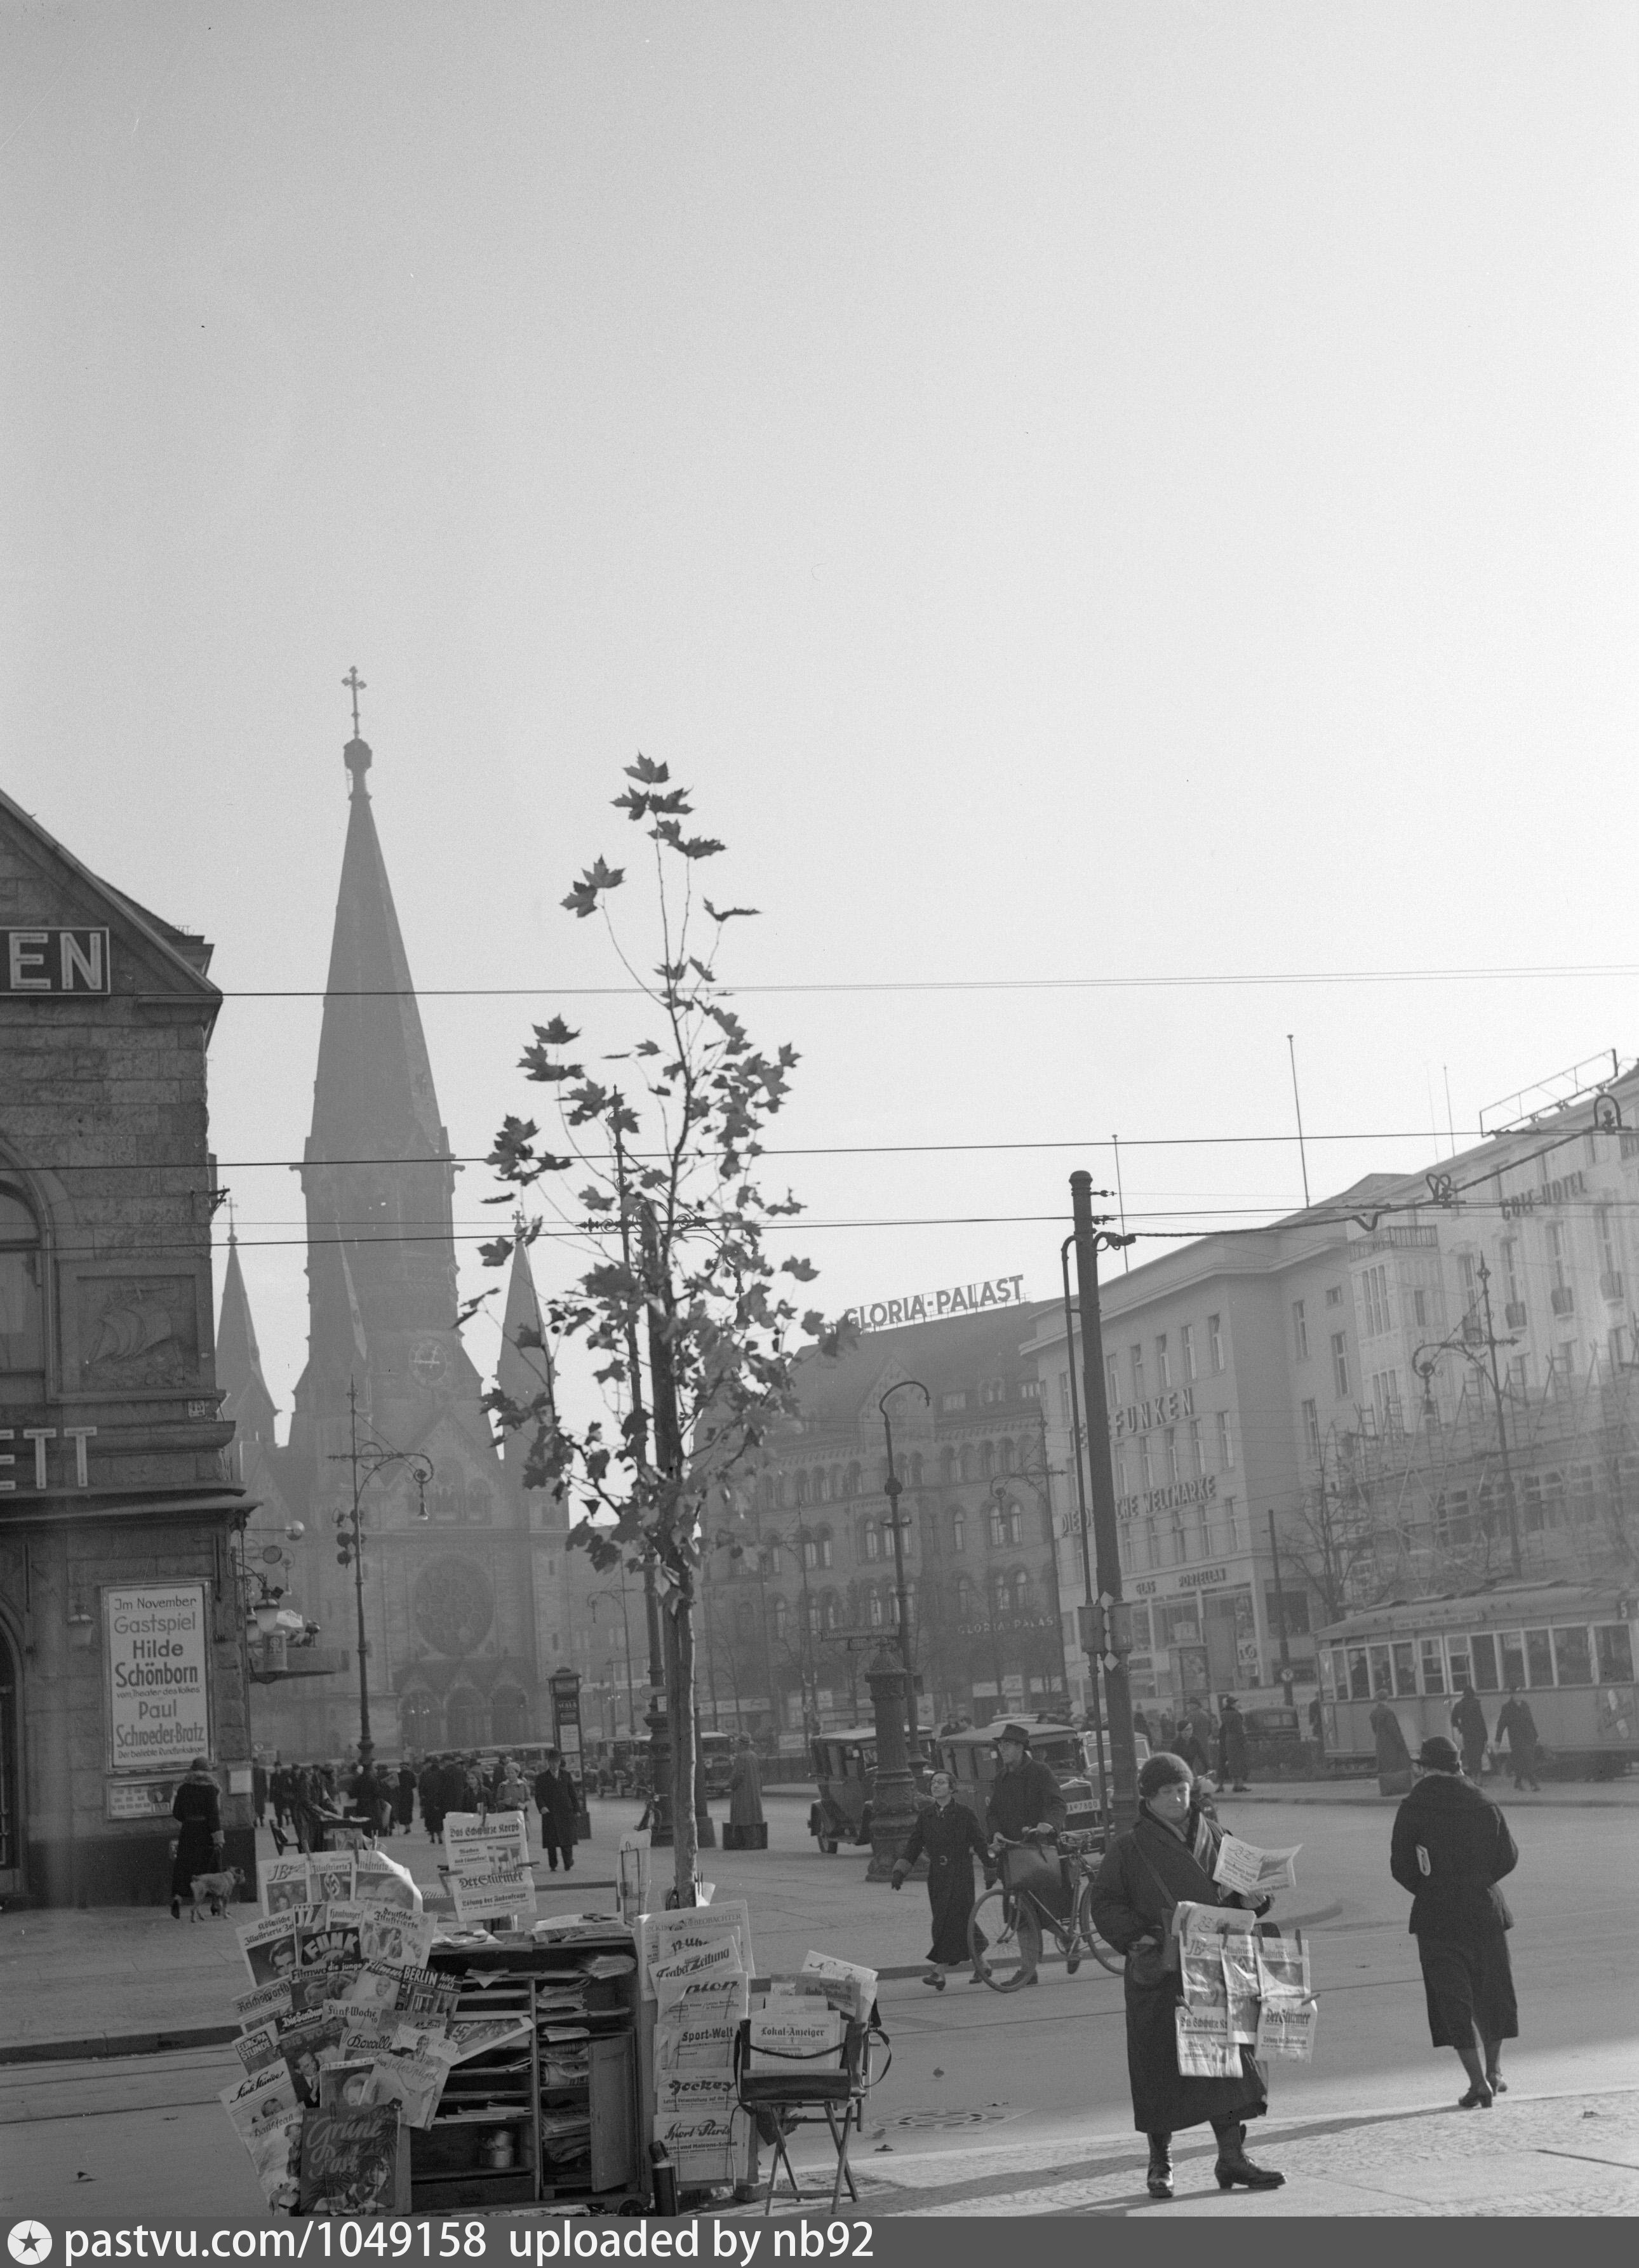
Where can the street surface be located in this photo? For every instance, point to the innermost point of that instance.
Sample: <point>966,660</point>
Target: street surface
<point>994,2103</point>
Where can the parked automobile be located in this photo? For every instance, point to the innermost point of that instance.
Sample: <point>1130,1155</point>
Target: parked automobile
<point>971,1759</point>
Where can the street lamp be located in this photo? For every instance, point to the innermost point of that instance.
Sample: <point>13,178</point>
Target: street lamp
<point>367,1463</point>
<point>891,1489</point>
<point>1456,1344</point>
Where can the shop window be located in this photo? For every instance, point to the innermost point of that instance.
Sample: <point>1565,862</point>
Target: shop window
<point>1538,1657</point>
<point>1572,1656</point>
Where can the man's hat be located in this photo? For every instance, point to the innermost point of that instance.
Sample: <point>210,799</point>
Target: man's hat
<point>1011,1731</point>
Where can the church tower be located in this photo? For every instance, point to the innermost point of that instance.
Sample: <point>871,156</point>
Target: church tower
<point>460,1576</point>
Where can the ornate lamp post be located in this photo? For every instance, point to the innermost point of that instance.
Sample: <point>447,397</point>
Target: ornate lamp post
<point>368,1461</point>
<point>892,1488</point>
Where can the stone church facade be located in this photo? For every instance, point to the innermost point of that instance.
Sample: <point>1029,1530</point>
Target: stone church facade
<point>463,1577</point>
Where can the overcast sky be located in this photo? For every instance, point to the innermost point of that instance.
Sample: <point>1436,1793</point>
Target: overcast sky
<point>1140,491</point>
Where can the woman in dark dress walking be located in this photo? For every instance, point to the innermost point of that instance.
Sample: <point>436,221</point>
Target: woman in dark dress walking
<point>196,1806</point>
<point>952,1838</point>
<point>1451,1847</point>
<point>1164,1861</point>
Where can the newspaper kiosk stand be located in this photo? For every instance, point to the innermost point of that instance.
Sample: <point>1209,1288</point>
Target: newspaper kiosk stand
<point>542,2119</point>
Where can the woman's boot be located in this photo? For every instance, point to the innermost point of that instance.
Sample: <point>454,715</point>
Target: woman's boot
<point>1234,2165</point>
<point>1158,2181</point>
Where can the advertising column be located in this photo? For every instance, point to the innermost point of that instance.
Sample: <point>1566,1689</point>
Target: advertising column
<point>158,1702</point>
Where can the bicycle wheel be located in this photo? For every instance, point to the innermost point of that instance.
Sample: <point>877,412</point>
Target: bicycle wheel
<point>1105,1955</point>
<point>1020,1936</point>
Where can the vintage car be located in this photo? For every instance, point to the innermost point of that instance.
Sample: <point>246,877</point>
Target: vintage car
<point>971,1758</point>
<point>844,1765</point>
<point>717,1754</point>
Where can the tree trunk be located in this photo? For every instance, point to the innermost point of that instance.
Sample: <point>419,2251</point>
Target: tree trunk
<point>680,1711</point>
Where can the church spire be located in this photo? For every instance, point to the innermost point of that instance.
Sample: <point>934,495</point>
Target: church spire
<point>238,1358</point>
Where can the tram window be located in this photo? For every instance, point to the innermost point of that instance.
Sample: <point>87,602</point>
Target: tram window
<point>1359,1684</point>
<point>1405,1666</point>
<point>1616,1653</point>
<point>1539,1657</point>
<point>1513,1657</point>
<point>1483,1647</point>
<point>1433,1666</point>
<point>1573,1656</point>
<point>1382,1682</point>
<point>1456,1649</point>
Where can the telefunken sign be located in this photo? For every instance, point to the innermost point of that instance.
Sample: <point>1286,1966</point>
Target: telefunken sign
<point>927,1306</point>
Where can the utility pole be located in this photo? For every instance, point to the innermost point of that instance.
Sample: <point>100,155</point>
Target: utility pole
<point>1086,1526</point>
<point>374,1457</point>
<point>1502,1420</point>
<point>1280,1608</point>
<point>1089,1235</point>
<point>892,1489</point>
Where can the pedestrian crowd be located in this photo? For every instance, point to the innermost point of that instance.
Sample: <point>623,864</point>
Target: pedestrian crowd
<point>302,1799</point>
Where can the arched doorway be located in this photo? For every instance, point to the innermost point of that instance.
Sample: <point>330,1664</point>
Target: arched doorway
<point>418,1722</point>
<point>10,1770</point>
<point>464,1715</point>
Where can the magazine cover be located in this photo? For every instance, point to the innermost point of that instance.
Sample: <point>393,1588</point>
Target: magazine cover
<point>351,2162</point>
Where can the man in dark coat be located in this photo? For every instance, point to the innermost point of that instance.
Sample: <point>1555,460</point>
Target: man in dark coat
<point>1516,1724</point>
<point>1165,1860</point>
<point>1451,1847</point>
<point>1024,1794</point>
<point>1468,1721</point>
<point>1394,1758</point>
<point>1232,1745</point>
<point>555,1794</point>
<point>196,1806</point>
<point>953,1838</point>
<point>405,1800</point>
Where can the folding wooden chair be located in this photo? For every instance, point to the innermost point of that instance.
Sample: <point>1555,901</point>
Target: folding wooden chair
<point>831,2085</point>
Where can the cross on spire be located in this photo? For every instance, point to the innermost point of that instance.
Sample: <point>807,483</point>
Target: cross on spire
<point>355,685</point>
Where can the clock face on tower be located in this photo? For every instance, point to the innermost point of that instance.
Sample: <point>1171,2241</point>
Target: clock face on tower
<point>429,1363</point>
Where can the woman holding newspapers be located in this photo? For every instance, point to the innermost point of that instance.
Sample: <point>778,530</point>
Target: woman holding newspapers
<point>1164,1861</point>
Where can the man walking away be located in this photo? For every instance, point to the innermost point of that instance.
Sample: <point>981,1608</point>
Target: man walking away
<point>1232,1746</point>
<point>555,1794</point>
<point>745,1786</point>
<point>1451,1847</point>
<point>1468,1721</point>
<point>1516,1722</point>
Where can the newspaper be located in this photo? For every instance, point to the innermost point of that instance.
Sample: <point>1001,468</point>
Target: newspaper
<point>477,1840</point>
<point>259,2099</point>
<point>403,1940</point>
<point>1245,1868</point>
<point>844,1983</point>
<point>1286,2029</point>
<point>269,1946</point>
<point>700,2144</point>
<point>1239,1963</point>
<point>379,1881</point>
<point>415,2082</point>
<point>1205,2049</point>
<point>258,2048</point>
<point>498,1887</point>
<point>687,2041</point>
<point>707,1968</point>
<point>691,1929</point>
<point>263,2001</point>
<point>712,2092</point>
<point>331,1873</point>
<point>1283,1970</point>
<point>787,2031</point>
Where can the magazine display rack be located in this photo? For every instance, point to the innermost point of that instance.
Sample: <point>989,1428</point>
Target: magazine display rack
<point>551,2116</point>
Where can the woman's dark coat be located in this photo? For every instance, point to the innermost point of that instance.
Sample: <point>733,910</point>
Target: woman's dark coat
<point>952,1838</point>
<point>196,1806</point>
<point>1147,1872</point>
<point>1451,1847</point>
<point>1518,1726</point>
<point>404,1797</point>
<point>1393,1756</point>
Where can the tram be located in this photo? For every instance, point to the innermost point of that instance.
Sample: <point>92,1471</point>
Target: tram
<point>1569,1645</point>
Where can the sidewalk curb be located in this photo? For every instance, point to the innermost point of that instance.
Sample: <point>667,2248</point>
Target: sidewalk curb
<point>1370,1798</point>
<point>97,2047</point>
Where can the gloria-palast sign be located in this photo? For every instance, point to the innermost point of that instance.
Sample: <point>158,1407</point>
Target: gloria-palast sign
<point>159,1712</point>
<point>927,1306</point>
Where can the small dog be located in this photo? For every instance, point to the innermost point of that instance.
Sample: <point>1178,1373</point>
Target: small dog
<point>214,1891</point>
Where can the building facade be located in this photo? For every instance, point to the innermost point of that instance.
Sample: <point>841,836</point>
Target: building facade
<point>802,1585</point>
<point>463,1573</point>
<point>122,1638</point>
<point>1422,1384</point>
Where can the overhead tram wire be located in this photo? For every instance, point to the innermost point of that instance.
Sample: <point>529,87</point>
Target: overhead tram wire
<point>1226,979</point>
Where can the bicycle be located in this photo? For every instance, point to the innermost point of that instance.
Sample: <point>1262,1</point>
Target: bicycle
<point>1023,1904</point>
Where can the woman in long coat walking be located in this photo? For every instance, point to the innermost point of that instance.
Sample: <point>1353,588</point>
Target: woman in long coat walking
<point>1394,1758</point>
<point>745,1787</point>
<point>1451,1848</point>
<point>196,1806</point>
<point>952,1838</point>
<point>1164,1861</point>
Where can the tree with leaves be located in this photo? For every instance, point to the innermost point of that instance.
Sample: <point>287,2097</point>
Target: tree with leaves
<point>682,1312</point>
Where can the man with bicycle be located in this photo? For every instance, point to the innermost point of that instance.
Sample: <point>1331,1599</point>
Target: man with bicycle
<point>1025,1797</point>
